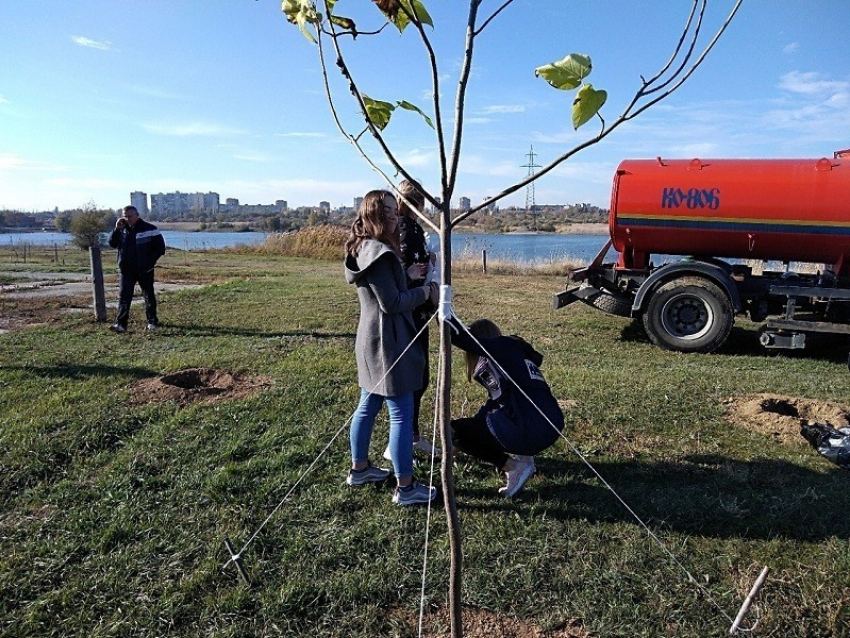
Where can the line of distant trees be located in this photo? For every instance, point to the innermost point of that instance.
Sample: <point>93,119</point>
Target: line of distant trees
<point>543,219</point>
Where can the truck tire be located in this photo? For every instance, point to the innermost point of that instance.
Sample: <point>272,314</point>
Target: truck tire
<point>688,314</point>
<point>612,304</point>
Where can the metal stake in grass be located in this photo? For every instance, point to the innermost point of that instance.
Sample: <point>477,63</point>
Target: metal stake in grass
<point>237,560</point>
<point>748,601</point>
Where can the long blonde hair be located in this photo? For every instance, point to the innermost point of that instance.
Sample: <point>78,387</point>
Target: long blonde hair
<point>370,224</point>
<point>480,329</point>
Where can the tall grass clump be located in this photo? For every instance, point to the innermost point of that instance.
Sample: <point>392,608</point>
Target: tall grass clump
<point>317,242</point>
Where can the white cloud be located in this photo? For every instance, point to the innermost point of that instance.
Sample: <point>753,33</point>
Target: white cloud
<point>480,165</point>
<point>191,129</point>
<point>7,160</point>
<point>11,161</point>
<point>811,83</point>
<point>503,108</point>
<point>154,92</point>
<point>102,45</point>
<point>79,183</point>
<point>296,134</point>
<point>3,100</point>
<point>254,157</point>
<point>418,159</point>
<point>791,48</point>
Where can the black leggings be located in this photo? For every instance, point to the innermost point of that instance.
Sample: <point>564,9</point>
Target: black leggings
<point>426,374</point>
<point>472,436</point>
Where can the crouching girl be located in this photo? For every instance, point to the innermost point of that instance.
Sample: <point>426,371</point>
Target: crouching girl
<point>520,418</point>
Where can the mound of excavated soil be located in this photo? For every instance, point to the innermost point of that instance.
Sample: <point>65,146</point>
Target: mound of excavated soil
<point>479,623</point>
<point>780,417</point>
<point>197,384</point>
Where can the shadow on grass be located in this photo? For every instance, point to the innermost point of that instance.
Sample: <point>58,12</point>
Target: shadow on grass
<point>78,372</point>
<point>744,341</point>
<point>704,495</point>
<point>220,331</point>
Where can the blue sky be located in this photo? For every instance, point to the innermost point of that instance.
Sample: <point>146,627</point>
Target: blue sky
<point>100,98</point>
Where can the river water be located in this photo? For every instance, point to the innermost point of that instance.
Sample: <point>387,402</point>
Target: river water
<point>524,248</point>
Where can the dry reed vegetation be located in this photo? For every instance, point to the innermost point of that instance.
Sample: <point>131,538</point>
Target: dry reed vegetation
<point>318,242</point>
<point>328,242</point>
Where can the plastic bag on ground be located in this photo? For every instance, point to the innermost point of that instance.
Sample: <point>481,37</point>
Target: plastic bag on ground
<point>829,442</point>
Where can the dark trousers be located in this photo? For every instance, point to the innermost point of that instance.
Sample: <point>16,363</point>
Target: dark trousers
<point>426,374</point>
<point>473,437</point>
<point>127,284</point>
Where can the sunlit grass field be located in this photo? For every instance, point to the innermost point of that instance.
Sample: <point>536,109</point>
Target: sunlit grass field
<point>114,509</point>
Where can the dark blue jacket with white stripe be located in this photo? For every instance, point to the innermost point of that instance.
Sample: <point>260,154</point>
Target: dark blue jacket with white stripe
<point>139,247</point>
<point>514,420</point>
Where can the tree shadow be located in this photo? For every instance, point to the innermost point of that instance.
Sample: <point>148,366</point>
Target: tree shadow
<point>77,372</point>
<point>702,495</point>
<point>214,331</point>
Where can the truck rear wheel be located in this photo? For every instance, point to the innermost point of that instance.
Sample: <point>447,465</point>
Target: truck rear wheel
<point>688,314</point>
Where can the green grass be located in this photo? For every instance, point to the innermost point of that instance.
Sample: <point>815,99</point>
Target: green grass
<point>113,514</point>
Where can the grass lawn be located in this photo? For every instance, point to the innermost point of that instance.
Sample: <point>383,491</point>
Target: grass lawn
<point>114,506</point>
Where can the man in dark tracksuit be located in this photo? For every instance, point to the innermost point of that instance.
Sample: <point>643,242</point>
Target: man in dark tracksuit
<point>139,246</point>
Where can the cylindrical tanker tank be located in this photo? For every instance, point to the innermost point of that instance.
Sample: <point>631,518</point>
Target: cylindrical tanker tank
<point>776,209</point>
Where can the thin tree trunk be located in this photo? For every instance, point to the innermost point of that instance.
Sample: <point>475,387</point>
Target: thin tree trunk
<point>446,467</point>
<point>98,292</point>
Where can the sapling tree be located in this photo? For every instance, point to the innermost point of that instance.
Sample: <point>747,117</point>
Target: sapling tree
<point>337,28</point>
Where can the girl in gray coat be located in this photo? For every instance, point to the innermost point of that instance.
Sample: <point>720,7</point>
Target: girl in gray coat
<point>389,361</point>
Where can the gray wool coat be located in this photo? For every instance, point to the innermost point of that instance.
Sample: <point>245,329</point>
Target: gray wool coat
<point>386,325</point>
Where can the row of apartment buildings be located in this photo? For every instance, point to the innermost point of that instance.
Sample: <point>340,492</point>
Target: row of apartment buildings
<point>177,203</point>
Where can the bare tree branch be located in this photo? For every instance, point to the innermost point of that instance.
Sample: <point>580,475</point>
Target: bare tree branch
<point>691,47</point>
<point>632,110</point>
<point>492,17</point>
<point>685,30</point>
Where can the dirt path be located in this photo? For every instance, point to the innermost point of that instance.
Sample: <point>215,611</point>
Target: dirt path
<point>43,296</point>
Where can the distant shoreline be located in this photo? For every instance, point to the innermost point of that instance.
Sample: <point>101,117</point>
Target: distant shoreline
<point>195,227</point>
<point>578,228</point>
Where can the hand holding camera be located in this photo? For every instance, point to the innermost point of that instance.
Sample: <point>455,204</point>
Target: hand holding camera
<point>121,223</point>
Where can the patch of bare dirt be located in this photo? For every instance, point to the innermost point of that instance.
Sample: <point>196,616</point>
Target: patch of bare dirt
<point>780,417</point>
<point>193,385</point>
<point>479,623</point>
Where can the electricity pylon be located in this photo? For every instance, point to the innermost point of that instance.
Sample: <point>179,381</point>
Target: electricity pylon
<point>529,190</point>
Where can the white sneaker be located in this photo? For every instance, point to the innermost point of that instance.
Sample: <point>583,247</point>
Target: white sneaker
<point>524,469</point>
<point>369,474</point>
<point>415,494</point>
<point>528,459</point>
<point>424,445</point>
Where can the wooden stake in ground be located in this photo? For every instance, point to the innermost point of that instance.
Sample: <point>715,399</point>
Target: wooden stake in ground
<point>748,601</point>
<point>98,291</point>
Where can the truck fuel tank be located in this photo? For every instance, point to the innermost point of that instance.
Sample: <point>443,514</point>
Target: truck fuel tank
<point>766,209</point>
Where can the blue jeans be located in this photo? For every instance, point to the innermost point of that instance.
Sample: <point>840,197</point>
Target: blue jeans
<point>401,429</point>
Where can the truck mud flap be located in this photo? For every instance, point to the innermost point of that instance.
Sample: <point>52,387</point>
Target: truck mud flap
<point>600,299</point>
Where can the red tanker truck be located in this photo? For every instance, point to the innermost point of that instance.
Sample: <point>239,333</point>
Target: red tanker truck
<point>725,221</point>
